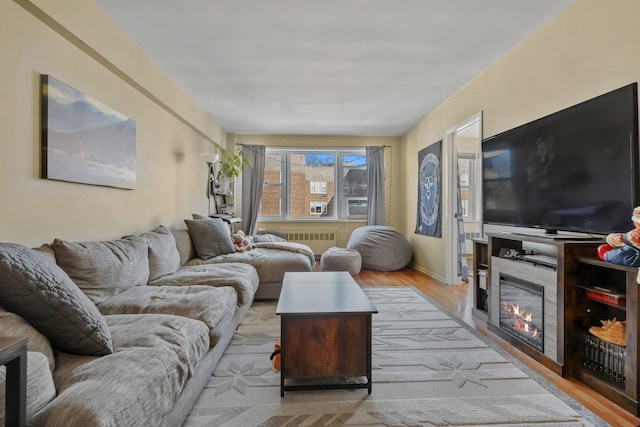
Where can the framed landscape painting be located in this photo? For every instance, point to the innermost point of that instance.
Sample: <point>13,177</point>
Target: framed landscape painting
<point>84,140</point>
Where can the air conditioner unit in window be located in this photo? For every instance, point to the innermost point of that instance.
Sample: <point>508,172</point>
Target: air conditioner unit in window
<point>356,208</point>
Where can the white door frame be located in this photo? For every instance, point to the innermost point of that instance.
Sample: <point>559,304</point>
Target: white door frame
<point>450,200</point>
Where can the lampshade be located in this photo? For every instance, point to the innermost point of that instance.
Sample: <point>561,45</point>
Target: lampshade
<point>210,158</point>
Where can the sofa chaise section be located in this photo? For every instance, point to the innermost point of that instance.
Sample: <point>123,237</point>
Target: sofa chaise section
<point>271,260</point>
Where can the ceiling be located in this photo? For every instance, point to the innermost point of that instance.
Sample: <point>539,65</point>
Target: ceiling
<point>326,67</point>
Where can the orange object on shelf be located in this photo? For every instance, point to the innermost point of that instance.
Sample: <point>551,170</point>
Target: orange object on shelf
<point>611,331</point>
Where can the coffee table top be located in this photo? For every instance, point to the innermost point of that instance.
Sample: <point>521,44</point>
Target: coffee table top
<point>322,292</point>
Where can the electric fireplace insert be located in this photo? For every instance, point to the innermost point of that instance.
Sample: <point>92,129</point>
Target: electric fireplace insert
<point>522,310</point>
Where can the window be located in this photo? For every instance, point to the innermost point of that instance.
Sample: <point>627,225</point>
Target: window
<point>314,184</point>
<point>318,208</point>
<point>271,202</point>
<point>318,187</point>
<point>466,176</point>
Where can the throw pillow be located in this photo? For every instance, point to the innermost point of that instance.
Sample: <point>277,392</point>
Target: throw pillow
<point>163,253</point>
<point>211,237</point>
<point>104,269</point>
<point>34,287</point>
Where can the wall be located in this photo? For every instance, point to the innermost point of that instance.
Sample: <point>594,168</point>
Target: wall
<point>587,50</point>
<point>75,42</point>
<point>343,228</point>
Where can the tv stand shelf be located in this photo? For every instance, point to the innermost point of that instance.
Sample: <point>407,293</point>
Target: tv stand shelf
<point>574,311</point>
<point>584,311</point>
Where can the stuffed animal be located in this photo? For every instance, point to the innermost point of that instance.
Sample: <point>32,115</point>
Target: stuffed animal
<point>241,242</point>
<point>624,247</point>
<point>275,357</point>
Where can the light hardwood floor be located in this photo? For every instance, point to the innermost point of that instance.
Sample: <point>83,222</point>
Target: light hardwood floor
<point>458,300</point>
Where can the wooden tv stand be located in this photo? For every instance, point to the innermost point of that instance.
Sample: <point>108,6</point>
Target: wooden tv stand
<point>571,308</point>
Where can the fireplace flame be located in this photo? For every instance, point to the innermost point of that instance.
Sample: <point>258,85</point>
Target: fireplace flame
<point>521,319</point>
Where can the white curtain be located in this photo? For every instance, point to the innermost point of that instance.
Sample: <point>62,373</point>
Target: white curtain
<point>252,180</point>
<point>375,196</point>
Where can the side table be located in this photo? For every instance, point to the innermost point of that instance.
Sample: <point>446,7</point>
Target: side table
<point>233,221</point>
<point>13,354</point>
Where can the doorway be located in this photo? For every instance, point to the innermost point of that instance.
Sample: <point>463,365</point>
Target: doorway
<point>463,149</point>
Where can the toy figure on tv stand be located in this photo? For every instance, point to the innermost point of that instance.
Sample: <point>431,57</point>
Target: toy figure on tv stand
<point>623,248</point>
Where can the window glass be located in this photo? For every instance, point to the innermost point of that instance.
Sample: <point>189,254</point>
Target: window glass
<point>305,168</point>
<point>271,203</point>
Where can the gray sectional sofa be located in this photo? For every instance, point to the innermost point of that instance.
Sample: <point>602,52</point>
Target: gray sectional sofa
<point>127,332</point>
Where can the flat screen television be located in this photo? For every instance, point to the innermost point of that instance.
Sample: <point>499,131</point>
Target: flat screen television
<point>574,170</point>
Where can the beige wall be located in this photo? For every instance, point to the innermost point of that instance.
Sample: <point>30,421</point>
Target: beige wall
<point>342,228</point>
<point>589,49</point>
<point>73,41</point>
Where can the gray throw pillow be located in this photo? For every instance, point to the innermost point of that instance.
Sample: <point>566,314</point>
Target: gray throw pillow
<point>104,269</point>
<point>163,253</point>
<point>34,287</point>
<point>211,237</point>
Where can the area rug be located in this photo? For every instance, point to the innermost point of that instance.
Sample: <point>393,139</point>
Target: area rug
<point>428,370</point>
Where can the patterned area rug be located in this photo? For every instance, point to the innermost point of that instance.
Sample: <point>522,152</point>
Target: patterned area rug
<point>428,370</point>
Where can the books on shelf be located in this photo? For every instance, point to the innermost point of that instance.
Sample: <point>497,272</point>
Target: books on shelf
<point>606,359</point>
<point>605,295</point>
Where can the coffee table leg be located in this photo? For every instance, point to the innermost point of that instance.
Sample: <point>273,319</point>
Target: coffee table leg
<point>369,352</point>
<point>282,345</point>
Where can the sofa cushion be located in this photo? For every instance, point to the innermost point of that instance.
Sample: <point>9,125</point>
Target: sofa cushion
<point>213,306</point>
<point>34,287</point>
<point>13,325</point>
<point>104,269</point>
<point>155,355</point>
<point>40,388</point>
<point>211,237</point>
<point>241,277</point>
<point>163,254</point>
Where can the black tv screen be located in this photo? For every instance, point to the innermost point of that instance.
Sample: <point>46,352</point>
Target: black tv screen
<point>574,170</point>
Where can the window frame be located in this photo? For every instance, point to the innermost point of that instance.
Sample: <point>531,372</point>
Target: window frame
<point>340,200</point>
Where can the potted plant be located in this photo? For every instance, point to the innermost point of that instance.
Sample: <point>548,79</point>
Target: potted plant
<point>230,168</point>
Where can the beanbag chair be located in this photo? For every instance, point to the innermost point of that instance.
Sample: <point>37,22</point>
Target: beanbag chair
<point>382,248</point>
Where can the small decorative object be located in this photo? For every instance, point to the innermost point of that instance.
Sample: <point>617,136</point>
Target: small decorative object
<point>625,247</point>
<point>603,249</point>
<point>275,357</point>
<point>611,331</point>
<point>241,242</point>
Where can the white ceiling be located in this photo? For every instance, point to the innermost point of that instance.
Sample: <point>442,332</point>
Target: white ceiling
<point>326,67</point>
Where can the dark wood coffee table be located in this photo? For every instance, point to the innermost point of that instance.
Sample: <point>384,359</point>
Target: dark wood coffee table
<point>326,332</point>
